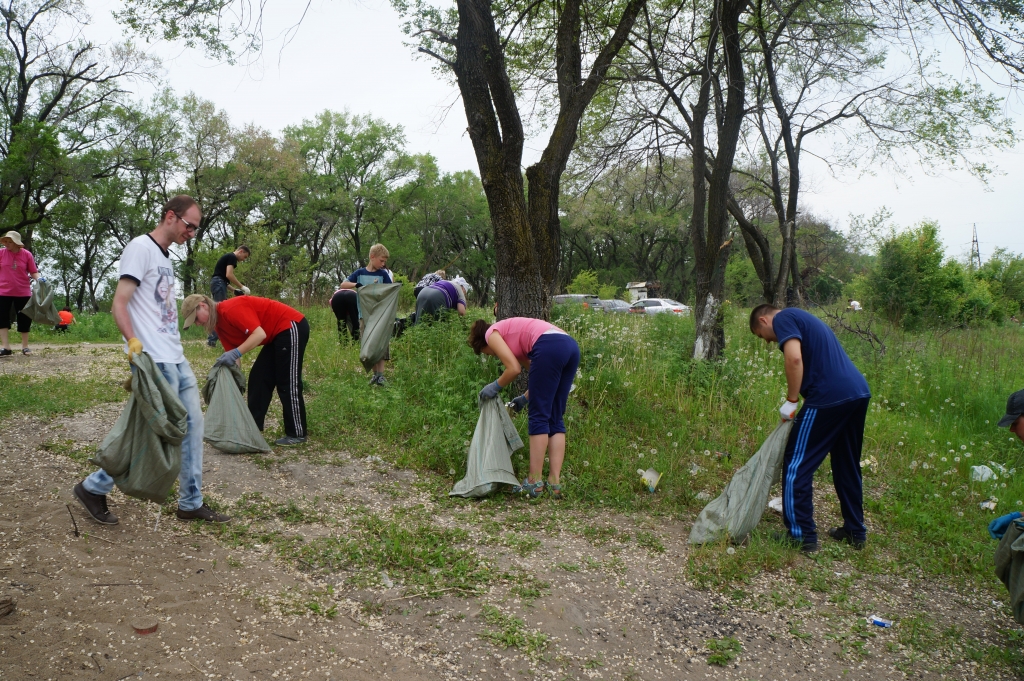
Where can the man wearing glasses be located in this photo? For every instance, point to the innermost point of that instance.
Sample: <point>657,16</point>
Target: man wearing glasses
<point>145,310</point>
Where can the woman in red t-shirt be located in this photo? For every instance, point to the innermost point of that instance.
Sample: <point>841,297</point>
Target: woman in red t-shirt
<point>244,322</point>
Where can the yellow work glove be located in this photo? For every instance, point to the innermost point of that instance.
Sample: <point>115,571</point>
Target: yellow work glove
<point>134,348</point>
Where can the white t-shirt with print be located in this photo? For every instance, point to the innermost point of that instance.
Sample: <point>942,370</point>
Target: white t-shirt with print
<point>154,307</point>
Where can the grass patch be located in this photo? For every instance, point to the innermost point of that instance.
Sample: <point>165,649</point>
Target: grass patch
<point>723,651</point>
<point>511,632</point>
<point>427,559</point>
<point>54,395</point>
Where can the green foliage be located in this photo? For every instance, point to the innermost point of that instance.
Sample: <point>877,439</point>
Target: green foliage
<point>585,282</point>
<point>55,396</point>
<point>913,284</point>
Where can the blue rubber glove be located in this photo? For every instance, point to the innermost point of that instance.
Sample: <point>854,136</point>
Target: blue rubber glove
<point>997,528</point>
<point>42,280</point>
<point>519,402</point>
<point>228,358</point>
<point>490,391</point>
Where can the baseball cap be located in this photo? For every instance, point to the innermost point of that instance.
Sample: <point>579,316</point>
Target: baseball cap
<point>188,309</point>
<point>1014,408</point>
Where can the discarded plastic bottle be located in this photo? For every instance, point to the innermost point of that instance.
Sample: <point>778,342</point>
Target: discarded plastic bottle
<point>879,622</point>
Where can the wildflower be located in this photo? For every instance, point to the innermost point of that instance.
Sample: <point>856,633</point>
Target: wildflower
<point>707,452</point>
<point>670,434</point>
<point>675,444</point>
<point>451,471</point>
<point>903,404</point>
<point>943,459</point>
<point>956,458</point>
<point>961,514</point>
<point>426,427</point>
<point>586,463</point>
<point>901,443</point>
<point>963,447</point>
<point>599,355</point>
<point>640,455</point>
<point>1003,484</point>
<point>968,455</point>
<point>465,443</point>
<point>653,451</point>
<point>591,378</point>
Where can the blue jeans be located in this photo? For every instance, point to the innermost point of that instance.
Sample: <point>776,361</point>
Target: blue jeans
<point>190,480</point>
<point>219,293</point>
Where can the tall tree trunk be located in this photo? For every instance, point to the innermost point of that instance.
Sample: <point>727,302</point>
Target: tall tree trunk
<point>711,248</point>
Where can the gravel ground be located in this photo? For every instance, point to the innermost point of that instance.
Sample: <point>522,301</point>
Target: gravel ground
<point>612,609</point>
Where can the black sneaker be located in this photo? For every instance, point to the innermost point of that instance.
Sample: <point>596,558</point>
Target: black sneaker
<point>289,441</point>
<point>204,512</point>
<point>805,547</point>
<point>378,381</point>
<point>4,352</point>
<point>95,505</point>
<point>840,534</point>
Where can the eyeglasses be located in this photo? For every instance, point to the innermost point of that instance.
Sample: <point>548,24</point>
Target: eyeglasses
<point>188,225</point>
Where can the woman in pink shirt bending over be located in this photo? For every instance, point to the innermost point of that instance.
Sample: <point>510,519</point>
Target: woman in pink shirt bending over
<point>552,356</point>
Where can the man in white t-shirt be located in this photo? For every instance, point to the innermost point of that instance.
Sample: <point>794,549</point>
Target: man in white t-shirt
<point>145,309</point>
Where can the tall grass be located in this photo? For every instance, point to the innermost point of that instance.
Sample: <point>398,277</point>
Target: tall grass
<point>640,403</point>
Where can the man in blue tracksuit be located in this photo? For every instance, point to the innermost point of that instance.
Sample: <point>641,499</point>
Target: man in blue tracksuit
<point>836,400</point>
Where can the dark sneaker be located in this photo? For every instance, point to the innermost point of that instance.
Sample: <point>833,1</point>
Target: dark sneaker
<point>204,512</point>
<point>289,441</point>
<point>840,534</point>
<point>4,352</point>
<point>95,505</point>
<point>805,547</point>
<point>378,381</point>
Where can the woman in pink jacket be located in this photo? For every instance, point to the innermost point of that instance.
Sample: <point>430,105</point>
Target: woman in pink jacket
<point>552,357</point>
<point>17,266</point>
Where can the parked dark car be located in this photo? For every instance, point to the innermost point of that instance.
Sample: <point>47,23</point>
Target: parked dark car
<point>587,300</point>
<point>613,306</point>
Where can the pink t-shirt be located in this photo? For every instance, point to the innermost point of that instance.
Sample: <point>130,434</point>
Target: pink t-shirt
<point>520,333</point>
<point>14,271</point>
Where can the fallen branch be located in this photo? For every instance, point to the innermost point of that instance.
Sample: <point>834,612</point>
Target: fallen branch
<point>124,584</point>
<point>73,522</point>
<point>283,636</point>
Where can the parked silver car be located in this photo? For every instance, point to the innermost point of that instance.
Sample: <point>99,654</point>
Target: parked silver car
<point>658,306</point>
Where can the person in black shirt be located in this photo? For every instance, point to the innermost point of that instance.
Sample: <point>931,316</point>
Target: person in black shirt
<point>224,272</point>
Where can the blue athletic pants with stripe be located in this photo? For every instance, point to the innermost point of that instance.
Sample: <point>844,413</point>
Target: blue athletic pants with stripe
<point>816,432</point>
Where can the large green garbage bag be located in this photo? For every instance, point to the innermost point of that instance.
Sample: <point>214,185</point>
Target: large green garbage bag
<point>489,463</point>
<point>1010,566</point>
<point>378,304</point>
<point>142,452</point>
<point>739,508</point>
<point>228,424</point>
<point>40,307</point>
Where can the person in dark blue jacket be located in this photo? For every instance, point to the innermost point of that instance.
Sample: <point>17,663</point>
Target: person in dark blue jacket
<point>836,398</point>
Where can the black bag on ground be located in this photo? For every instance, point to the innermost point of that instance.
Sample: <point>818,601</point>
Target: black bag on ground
<point>228,424</point>
<point>142,452</point>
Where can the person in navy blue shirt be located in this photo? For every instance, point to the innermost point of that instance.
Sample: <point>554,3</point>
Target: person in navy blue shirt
<point>836,397</point>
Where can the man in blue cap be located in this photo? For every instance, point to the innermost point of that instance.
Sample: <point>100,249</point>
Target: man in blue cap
<point>1012,418</point>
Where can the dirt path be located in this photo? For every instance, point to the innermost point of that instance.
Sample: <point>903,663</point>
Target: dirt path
<point>594,596</point>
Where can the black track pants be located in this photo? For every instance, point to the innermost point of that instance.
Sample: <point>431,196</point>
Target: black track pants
<point>279,365</point>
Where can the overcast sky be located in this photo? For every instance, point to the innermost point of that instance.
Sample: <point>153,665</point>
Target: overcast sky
<point>349,55</point>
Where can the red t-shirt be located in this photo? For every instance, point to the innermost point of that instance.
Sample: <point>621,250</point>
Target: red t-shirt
<point>66,317</point>
<point>238,317</point>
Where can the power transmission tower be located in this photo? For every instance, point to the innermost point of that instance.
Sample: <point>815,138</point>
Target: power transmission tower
<point>975,250</point>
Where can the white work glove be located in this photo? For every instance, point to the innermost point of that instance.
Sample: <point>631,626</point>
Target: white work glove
<point>245,290</point>
<point>788,410</point>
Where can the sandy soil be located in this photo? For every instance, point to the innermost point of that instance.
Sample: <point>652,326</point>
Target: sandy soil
<point>228,612</point>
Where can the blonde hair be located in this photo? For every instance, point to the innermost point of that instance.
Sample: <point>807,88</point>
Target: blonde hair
<point>378,250</point>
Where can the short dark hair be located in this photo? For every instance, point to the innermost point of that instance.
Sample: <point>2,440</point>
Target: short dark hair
<point>478,336</point>
<point>245,248</point>
<point>178,205</point>
<point>761,310</point>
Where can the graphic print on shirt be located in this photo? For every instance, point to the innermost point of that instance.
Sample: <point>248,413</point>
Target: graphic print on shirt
<point>165,300</point>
